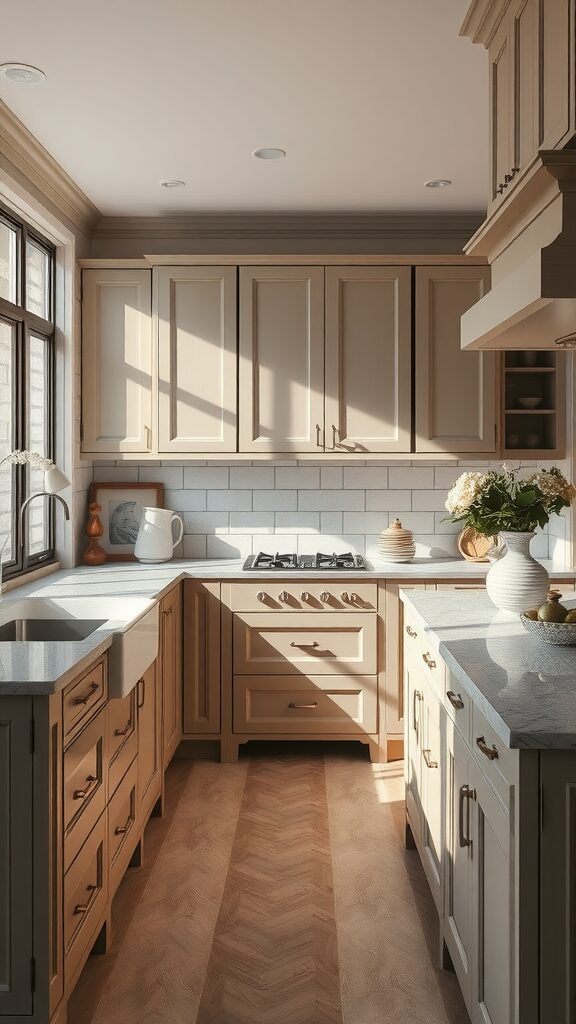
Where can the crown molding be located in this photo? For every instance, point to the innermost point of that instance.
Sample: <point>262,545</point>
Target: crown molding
<point>23,151</point>
<point>482,19</point>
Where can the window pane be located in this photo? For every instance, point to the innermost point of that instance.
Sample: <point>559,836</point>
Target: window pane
<point>8,262</point>
<point>37,280</point>
<point>37,434</point>
<point>7,348</point>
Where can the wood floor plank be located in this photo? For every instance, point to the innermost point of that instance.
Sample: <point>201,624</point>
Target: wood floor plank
<point>274,958</point>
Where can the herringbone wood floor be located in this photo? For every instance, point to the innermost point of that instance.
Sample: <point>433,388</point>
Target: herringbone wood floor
<point>275,891</point>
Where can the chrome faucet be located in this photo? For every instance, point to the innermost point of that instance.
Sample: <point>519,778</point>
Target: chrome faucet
<point>40,494</point>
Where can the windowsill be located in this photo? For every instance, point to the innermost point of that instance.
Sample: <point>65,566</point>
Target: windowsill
<point>29,577</point>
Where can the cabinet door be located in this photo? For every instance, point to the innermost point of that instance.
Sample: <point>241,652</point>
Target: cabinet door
<point>413,724</point>
<point>281,384</point>
<point>368,359</point>
<point>197,359</point>
<point>201,627</point>
<point>501,124</point>
<point>524,25</point>
<point>171,661</point>
<point>149,741</point>
<point>431,733</point>
<point>556,39</point>
<point>458,863</point>
<point>116,360</point>
<point>493,910</point>
<point>455,390</point>
<point>394,675</point>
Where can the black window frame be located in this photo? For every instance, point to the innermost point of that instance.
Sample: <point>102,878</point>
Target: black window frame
<point>26,324</point>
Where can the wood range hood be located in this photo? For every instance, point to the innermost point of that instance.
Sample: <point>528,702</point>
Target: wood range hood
<point>530,243</point>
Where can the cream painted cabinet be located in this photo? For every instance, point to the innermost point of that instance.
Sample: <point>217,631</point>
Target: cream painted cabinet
<point>201,680</point>
<point>281,374</point>
<point>556,57</point>
<point>196,359</point>
<point>458,862</point>
<point>501,115</point>
<point>455,390</point>
<point>431,738</point>
<point>368,383</point>
<point>117,361</point>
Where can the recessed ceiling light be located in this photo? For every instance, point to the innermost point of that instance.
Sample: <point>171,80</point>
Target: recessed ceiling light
<point>269,153</point>
<point>22,73</point>
<point>438,183</point>
<point>172,183</point>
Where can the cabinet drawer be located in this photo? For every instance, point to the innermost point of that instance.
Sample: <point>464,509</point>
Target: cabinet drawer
<point>306,595</point>
<point>83,699</point>
<point>458,705</point>
<point>306,705</point>
<point>433,669</point>
<point>122,812</point>
<point>84,785</point>
<point>310,644</point>
<point>122,737</point>
<point>85,899</point>
<point>497,762</point>
<point>414,634</point>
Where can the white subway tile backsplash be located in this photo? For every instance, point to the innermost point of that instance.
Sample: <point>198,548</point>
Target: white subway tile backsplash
<point>298,522</point>
<point>418,522</point>
<point>231,546</point>
<point>388,501</point>
<point>206,522</point>
<point>365,522</point>
<point>297,477</point>
<point>410,478</point>
<point>444,476</point>
<point>231,501</point>
<point>327,543</point>
<point>443,525</point>
<point>185,501</point>
<point>369,476</point>
<point>251,477</point>
<point>207,478</point>
<point>252,522</point>
<point>331,522</point>
<point>194,545</point>
<point>339,501</point>
<point>272,501</point>
<point>171,476</point>
<point>116,474</point>
<point>331,477</point>
<point>428,501</point>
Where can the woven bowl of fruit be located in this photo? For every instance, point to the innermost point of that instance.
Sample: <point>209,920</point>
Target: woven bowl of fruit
<point>552,622</point>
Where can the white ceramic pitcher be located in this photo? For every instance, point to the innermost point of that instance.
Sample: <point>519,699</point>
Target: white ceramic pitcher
<point>155,542</point>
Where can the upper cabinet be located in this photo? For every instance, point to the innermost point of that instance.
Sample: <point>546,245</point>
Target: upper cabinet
<point>281,375</point>
<point>368,395</point>
<point>117,361</point>
<point>455,390</point>
<point>196,359</point>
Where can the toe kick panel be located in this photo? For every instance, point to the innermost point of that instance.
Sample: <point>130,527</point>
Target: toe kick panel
<point>338,643</point>
<point>314,704</point>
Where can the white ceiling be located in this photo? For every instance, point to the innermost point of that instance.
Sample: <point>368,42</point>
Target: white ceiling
<point>369,97</point>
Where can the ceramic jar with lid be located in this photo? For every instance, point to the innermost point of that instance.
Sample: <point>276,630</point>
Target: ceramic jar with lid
<point>396,544</point>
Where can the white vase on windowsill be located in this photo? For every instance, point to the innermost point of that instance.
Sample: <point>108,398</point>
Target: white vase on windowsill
<point>517,581</point>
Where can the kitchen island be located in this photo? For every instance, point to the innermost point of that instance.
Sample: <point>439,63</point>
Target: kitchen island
<point>490,768</point>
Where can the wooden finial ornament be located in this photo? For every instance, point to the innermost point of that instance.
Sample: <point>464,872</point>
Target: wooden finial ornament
<point>94,554</point>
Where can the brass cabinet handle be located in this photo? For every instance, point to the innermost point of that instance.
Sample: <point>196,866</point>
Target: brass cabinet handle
<point>314,643</point>
<point>125,730</point>
<point>262,596</point>
<point>167,611</point>
<point>140,703</point>
<point>429,661</point>
<point>334,432</point>
<point>121,829</point>
<point>318,441</point>
<point>84,700</point>
<point>490,752</point>
<point>83,908</point>
<point>416,698</point>
<point>284,596</point>
<point>148,433</point>
<point>81,794</point>
<point>325,596</point>
<point>349,598</point>
<point>411,632</point>
<point>428,760</point>
<point>307,707</point>
<point>465,794</point>
<point>455,700</point>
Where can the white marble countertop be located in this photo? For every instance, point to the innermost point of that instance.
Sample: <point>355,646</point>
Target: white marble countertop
<point>42,668</point>
<point>525,688</point>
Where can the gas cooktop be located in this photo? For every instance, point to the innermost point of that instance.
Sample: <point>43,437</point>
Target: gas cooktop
<point>281,563</point>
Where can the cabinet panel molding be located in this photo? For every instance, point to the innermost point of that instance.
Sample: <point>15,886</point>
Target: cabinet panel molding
<point>201,680</point>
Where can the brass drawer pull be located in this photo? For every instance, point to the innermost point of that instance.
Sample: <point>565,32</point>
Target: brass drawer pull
<point>167,611</point>
<point>81,794</point>
<point>428,760</point>
<point>417,697</point>
<point>490,752</point>
<point>411,632</point>
<point>84,700</point>
<point>465,794</point>
<point>121,829</point>
<point>313,644</point>
<point>307,707</point>
<point>429,661</point>
<point>125,730</point>
<point>83,908</point>
<point>140,703</point>
<point>455,700</point>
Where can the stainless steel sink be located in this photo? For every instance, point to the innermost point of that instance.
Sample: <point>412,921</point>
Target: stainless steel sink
<point>48,630</point>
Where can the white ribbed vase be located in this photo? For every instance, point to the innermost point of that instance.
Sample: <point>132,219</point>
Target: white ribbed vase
<point>517,581</point>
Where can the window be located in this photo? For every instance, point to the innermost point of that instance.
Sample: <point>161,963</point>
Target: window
<point>26,389</point>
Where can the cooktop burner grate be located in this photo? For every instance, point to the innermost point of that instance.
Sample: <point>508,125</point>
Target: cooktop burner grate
<point>319,561</point>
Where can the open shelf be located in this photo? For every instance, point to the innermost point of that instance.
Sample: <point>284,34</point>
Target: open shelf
<point>533,433</point>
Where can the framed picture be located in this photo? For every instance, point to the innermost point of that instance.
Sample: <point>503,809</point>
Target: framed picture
<point>121,513</point>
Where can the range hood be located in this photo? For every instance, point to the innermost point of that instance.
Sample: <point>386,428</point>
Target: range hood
<point>530,243</point>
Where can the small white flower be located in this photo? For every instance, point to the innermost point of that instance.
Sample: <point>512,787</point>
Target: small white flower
<point>464,492</point>
<point>23,458</point>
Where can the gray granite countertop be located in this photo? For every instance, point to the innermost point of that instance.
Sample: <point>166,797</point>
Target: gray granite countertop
<point>127,589</point>
<point>525,688</point>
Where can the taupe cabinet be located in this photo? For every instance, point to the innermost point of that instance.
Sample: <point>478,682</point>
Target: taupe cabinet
<point>318,360</point>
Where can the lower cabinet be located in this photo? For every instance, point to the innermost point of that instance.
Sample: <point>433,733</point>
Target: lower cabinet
<point>201,675</point>
<point>149,710</point>
<point>171,669</point>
